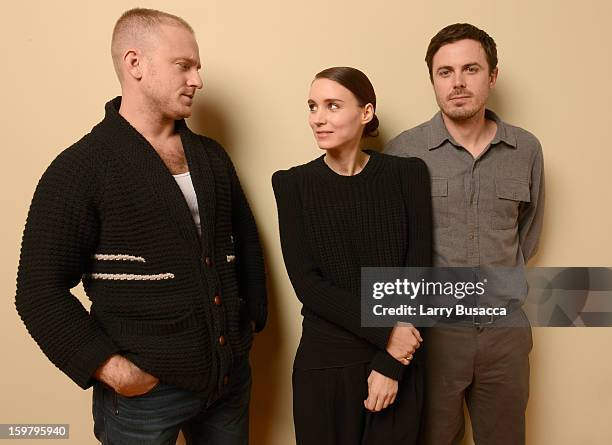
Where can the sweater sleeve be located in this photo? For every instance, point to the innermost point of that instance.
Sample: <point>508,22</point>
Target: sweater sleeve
<point>59,238</point>
<point>249,257</point>
<point>417,194</point>
<point>317,293</point>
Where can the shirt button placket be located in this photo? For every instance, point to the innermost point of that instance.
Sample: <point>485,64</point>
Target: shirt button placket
<point>472,226</point>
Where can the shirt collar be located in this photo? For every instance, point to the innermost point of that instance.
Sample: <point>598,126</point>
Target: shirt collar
<point>438,133</point>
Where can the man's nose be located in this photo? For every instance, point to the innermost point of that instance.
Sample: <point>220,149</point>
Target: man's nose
<point>459,80</point>
<point>196,80</point>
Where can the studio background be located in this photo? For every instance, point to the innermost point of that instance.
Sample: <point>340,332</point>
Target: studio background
<point>258,60</point>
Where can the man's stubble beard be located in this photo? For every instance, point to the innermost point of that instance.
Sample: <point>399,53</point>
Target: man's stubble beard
<point>461,114</point>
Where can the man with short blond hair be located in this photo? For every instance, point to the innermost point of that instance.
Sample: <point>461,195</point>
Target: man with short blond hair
<point>488,200</point>
<point>137,28</point>
<point>153,220</point>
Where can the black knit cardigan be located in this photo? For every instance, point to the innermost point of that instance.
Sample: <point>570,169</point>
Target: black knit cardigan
<point>108,212</point>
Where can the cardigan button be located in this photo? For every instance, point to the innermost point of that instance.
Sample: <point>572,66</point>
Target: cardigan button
<point>217,300</point>
<point>208,261</point>
<point>222,340</point>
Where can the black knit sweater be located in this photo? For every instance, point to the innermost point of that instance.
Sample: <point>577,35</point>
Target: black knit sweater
<point>331,226</point>
<point>108,211</point>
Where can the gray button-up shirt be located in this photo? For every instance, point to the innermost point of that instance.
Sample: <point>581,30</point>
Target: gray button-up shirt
<point>487,210</point>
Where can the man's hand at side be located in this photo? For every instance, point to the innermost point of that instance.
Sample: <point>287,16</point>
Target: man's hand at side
<point>125,377</point>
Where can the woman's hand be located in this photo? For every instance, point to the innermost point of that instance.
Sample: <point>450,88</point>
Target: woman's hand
<point>381,391</point>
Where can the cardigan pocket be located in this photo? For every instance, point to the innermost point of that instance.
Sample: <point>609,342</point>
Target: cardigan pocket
<point>240,332</point>
<point>129,276</point>
<point>161,347</point>
<point>125,327</point>
<point>123,267</point>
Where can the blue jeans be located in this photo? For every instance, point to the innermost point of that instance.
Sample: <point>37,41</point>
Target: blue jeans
<point>156,417</point>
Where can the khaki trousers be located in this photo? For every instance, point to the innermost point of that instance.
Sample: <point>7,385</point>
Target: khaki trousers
<point>486,366</point>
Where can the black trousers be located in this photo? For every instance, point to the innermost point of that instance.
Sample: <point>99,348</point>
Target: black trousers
<point>328,408</point>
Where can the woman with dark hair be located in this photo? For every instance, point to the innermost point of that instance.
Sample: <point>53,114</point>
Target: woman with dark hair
<point>345,210</point>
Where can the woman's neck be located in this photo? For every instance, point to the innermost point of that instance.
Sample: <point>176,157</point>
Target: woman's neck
<point>346,162</point>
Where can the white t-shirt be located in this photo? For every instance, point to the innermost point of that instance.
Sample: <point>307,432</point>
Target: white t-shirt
<point>186,185</point>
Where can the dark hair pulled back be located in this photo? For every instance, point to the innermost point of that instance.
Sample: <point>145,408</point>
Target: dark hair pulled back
<point>357,83</point>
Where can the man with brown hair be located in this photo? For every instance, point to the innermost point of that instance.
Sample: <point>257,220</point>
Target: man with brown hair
<point>488,198</point>
<point>152,218</point>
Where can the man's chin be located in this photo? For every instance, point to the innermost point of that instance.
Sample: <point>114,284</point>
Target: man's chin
<point>183,113</point>
<point>460,114</point>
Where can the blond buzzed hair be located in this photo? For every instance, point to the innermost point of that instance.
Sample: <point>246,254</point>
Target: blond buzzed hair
<point>136,25</point>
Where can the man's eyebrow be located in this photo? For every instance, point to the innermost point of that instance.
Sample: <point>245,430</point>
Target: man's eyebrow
<point>190,60</point>
<point>450,68</point>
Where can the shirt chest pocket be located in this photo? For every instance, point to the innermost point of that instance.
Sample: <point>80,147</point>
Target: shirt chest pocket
<point>510,195</point>
<point>439,201</point>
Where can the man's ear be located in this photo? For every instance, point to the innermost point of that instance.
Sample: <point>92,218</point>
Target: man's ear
<point>493,77</point>
<point>132,63</point>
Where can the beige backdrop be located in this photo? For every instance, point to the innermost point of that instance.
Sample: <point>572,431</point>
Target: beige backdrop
<point>258,59</point>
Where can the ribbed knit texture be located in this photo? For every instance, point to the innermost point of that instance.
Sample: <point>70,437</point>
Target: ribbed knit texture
<point>331,226</point>
<point>107,210</point>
